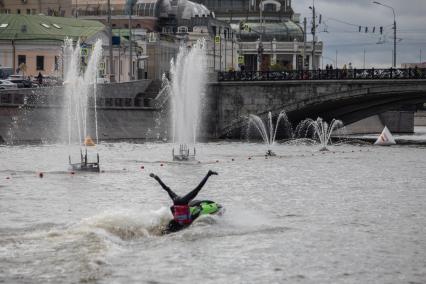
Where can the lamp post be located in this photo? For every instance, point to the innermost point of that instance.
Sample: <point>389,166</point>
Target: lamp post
<point>394,31</point>
<point>260,47</point>
<point>130,10</point>
<point>111,58</point>
<point>314,25</point>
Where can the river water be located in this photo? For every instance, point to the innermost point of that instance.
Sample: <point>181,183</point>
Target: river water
<point>355,214</point>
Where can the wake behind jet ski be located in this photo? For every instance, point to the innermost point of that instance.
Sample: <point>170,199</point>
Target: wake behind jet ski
<point>185,210</point>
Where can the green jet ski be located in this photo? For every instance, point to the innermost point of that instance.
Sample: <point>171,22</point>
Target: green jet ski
<point>196,208</point>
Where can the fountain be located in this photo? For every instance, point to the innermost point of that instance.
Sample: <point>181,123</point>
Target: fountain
<point>80,91</point>
<point>268,132</point>
<point>322,130</point>
<point>186,88</point>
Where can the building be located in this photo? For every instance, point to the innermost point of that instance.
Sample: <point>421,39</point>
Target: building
<point>34,7</point>
<point>33,44</point>
<point>160,26</point>
<point>269,34</point>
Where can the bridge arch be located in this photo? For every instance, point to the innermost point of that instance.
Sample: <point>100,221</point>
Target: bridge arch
<point>347,100</point>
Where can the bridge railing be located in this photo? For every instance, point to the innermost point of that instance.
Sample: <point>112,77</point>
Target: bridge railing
<point>336,74</point>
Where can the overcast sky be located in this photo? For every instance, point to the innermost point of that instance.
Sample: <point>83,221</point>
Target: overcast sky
<point>339,30</point>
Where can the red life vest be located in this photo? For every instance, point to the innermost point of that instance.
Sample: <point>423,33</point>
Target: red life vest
<point>181,214</point>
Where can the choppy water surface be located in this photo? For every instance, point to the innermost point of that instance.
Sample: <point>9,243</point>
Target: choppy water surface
<point>355,214</point>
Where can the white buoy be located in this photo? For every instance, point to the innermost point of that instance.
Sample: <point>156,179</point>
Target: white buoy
<point>385,138</point>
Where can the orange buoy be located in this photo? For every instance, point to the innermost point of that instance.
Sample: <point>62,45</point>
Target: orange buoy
<point>72,173</point>
<point>40,175</point>
<point>161,165</point>
<point>88,141</point>
<point>142,167</point>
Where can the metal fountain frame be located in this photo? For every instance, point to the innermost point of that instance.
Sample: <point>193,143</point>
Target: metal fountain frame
<point>85,165</point>
<point>184,153</point>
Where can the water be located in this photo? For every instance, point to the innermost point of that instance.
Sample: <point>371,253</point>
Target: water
<point>354,214</point>
<point>188,74</point>
<point>80,91</point>
<point>267,130</point>
<point>321,129</point>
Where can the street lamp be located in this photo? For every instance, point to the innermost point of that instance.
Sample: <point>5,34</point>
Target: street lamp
<point>260,47</point>
<point>394,30</point>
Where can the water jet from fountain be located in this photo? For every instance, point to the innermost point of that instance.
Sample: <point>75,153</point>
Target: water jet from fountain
<point>268,130</point>
<point>80,96</point>
<point>186,88</point>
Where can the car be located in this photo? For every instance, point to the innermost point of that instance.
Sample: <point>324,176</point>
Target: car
<point>6,85</point>
<point>5,72</point>
<point>21,81</point>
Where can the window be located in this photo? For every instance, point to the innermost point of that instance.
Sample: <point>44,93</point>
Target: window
<point>28,11</point>
<point>22,59</point>
<point>18,11</point>
<point>40,63</point>
<point>56,63</point>
<point>128,102</point>
<point>167,30</point>
<point>270,8</point>
<point>182,29</point>
<point>118,102</point>
<point>108,102</point>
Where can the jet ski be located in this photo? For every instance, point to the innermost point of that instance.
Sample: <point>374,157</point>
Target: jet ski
<point>196,208</point>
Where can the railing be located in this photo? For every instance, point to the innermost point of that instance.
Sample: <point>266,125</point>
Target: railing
<point>279,46</point>
<point>336,74</point>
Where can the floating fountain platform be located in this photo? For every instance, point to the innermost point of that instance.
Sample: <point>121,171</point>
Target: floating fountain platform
<point>184,154</point>
<point>85,165</point>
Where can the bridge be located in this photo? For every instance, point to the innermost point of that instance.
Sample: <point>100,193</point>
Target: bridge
<point>350,100</point>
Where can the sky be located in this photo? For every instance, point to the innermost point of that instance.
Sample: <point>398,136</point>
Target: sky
<point>339,31</point>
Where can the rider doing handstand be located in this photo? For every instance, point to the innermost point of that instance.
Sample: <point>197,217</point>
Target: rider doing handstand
<point>180,209</point>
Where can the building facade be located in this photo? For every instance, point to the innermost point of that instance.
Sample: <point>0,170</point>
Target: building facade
<point>269,34</point>
<point>158,29</point>
<point>34,7</point>
<point>33,44</point>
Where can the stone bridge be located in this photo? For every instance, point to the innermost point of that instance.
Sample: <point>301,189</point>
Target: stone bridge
<point>230,102</point>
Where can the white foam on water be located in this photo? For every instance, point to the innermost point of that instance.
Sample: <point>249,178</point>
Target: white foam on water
<point>129,224</point>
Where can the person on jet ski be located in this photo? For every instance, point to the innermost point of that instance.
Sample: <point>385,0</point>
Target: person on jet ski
<point>180,209</point>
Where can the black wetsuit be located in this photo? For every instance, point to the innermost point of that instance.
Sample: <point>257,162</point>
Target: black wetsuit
<point>184,200</point>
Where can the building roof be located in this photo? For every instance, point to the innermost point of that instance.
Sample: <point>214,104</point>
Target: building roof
<point>281,31</point>
<point>182,9</point>
<point>40,27</point>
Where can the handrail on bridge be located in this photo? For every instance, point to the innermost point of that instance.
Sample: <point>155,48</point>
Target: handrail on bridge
<point>336,74</point>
